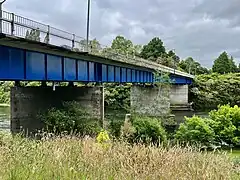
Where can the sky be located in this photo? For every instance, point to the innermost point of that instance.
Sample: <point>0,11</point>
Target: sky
<point>201,29</point>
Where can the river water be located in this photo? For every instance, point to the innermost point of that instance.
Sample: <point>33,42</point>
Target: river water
<point>4,118</point>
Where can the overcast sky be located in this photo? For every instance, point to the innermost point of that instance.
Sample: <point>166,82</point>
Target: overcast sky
<point>198,28</point>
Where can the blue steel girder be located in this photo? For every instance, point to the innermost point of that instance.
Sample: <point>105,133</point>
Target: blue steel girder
<point>25,60</point>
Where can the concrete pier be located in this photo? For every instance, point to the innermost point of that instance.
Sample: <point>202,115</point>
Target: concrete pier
<point>28,102</point>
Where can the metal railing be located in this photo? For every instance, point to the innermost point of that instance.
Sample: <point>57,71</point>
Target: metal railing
<point>19,26</point>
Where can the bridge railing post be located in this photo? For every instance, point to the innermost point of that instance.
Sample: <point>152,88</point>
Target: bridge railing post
<point>12,24</point>
<point>73,42</point>
<point>48,34</point>
<point>1,15</point>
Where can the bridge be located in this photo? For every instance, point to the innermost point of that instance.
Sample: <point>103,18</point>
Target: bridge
<point>33,51</point>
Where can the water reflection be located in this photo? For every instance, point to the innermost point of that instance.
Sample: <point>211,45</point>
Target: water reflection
<point>4,118</point>
<point>179,115</point>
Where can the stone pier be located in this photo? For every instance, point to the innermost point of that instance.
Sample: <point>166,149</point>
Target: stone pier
<point>179,95</point>
<point>150,101</point>
<point>27,102</point>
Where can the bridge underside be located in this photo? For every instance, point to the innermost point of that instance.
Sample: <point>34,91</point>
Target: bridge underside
<point>24,60</point>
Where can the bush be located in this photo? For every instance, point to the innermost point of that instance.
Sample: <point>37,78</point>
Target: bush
<point>209,91</point>
<point>117,97</point>
<point>195,130</point>
<point>71,119</point>
<point>226,124</point>
<point>222,127</point>
<point>5,91</point>
<point>148,130</point>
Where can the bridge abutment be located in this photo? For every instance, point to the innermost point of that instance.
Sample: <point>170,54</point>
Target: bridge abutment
<point>150,100</point>
<point>28,102</point>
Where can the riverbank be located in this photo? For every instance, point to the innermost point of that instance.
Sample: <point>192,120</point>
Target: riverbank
<point>73,158</point>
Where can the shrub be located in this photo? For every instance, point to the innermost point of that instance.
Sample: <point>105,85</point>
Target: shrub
<point>226,123</point>
<point>195,130</point>
<point>71,119</point>
<point>148,130</point>
<point>117,97</point>
<point>214,89</point>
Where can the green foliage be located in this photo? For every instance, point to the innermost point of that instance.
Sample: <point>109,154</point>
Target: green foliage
<point>117,97</point>
<point>212,90</point>
<point>193,67</point>
<point>148,130</point>
<point>153,49</point>
<point>5,91</point>
<point>195,130</point>
<point>223,64</point>
<point>221,128</point>
<point>72,118</point>
<point>226,124</point>
<point>123,46</point>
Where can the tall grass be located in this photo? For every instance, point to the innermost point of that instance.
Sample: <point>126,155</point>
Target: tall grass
<point>73,158</point>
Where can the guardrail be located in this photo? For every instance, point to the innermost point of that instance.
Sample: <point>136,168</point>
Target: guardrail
<point>19,26</point>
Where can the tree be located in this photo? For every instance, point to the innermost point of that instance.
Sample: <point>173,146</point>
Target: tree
<point>223,64</point>
<point>153,50</point>
<point>95,46</point>
<point>122,45</point>
<point>167,61</point>
<point>191,66</point>
<point>233,67</point>
<point>175,58</point>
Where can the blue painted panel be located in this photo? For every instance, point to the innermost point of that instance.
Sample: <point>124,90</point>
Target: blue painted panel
<point>144,76</point>
<point>149,77</point>
<point>104,73</point>
<point>178,80</point>
<point>69,69</point>
<point>35,66</point>
<point>117,74</point>
<point>4,63</point>
<point>152,77</point>
<point>137,77</point>
<point>91,71</point>
<point>129,75</point>
<point>54,68</point>
<point>82,70</point>
<point>11,63</point>
<point>141,76</point>
<point>110,73</point>
<point>133,75</point>
<point>124,73</point>
<point>98,69</point>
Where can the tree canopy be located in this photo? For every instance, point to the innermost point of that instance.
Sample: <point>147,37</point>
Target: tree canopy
<point>154,49</point>
<point>223,64</point>
<point>191,66</point>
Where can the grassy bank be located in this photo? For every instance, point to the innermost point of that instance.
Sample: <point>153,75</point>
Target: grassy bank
<point>85,159</point>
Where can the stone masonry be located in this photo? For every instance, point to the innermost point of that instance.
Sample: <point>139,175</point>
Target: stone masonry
<point>150,101</point>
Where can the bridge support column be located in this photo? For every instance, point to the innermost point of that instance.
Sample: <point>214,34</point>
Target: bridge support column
<point>150,101</point>
<point>27,102</point>
<point>179,95</point>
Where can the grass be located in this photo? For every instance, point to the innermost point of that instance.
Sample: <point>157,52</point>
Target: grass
<point>73,158</point>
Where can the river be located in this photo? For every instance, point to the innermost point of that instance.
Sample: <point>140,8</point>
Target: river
<point>4,118</point>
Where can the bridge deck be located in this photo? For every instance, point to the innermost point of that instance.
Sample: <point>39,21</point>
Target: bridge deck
<point>24,59</point>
